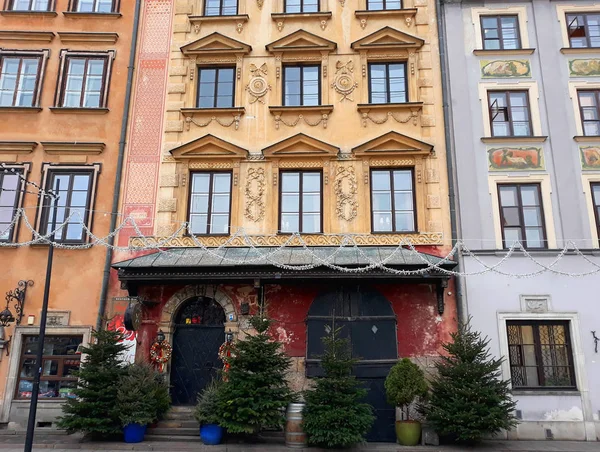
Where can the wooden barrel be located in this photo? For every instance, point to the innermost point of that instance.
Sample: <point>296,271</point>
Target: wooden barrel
<point>294,435</point>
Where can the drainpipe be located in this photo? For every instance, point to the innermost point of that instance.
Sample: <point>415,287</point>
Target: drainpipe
<point>461,306</point>
<point>120,160</point>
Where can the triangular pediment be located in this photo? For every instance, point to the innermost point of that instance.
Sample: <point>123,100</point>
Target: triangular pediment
<point>392,143</point>
<point>301,145</point>
<point>301,40</point>
<point>209,147</point>
<point>388,38</point>
<point>215,43</point>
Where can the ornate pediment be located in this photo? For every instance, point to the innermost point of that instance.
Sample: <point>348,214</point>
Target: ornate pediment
<point>388,38</point>
<point>215,44</point>
<point>301,41</point>
<point>392,143</point>
<point>209,147</point>
<point>301,145</point>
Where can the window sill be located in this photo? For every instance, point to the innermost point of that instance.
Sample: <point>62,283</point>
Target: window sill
<point>487,52</point>
<point>411,108</point>
<point>407,13</point>
<point>587,138</point>
<point>238,19</point>
<point>322,17</point>
<point>20,109</point>
<point>29,13</point>
<point>546,392</point>
<point>77,15</point>
<point>91,111</point>
<point>291,116</point>
<point>579,50</point>
<point>530,139</point>
<point>225,117</point>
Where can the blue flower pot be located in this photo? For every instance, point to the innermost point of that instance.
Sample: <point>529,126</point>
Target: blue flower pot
<point>211,434</point>
<point>134,433</point>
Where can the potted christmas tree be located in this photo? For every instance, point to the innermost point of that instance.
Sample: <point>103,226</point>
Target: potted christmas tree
<point>211,433</point>
<point>403,386</point>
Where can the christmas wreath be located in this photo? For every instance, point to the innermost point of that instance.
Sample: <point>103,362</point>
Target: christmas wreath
<point>226,351</point>
<point>160,353</point>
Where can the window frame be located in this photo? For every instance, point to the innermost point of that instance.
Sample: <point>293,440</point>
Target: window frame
<point>596,93</point>
<point>498,18</point>
<point>301,172</point>
<point>60,358</point>
<point>115,7</point>
<point>10,4</point>
<point>507,93</point>
<point>210,197</point>
<point>368,2</point>
<point>285,8</point>
<point>42,55</point>
<point>216,85</point>
<point>596,206</point>
<point>23,169</point>
<point>301,66</point>
<point>387,81</point>
<point>585,26</point>
<point>205,6</point>
<point>35,97</point>
<point>535,324</point>
<point>523,240</point>
<point>393,202</point>
<point>65,56</point>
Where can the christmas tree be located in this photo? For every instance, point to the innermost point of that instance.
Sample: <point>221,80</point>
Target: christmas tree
<point>255,393</point>
<point>334,415</point>
<point>469,399</point>
<point>94,411</point>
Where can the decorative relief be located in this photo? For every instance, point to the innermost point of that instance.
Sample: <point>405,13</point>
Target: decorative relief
<point>346,189</point>
<point>434,202</point>
<point>590,157</point>
<point>343,3</point>
<point>584,68</point>
<point>414,115</point>
<point>167,205</point>
<point>535,303</point>
<point>293,123</point>
<point>235,121</point>
<point>260,3</point>
<point>392,162</point>
<point>425,238</point>
<point>505,68</point>
<point>169,180</point>
<point>515,159</point>
<point>209,165</point>
<point>255,191</point>
<point>343,81</point>
<point>301,164</point>
<point>257,86</point>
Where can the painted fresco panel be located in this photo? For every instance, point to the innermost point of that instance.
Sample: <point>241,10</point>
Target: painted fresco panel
<point>505,68</point>
<point>515,159</point>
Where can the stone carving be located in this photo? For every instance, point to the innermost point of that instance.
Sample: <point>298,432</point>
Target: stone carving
<point>590,157</point>
<point>343,81</point>
<point>343,3</point>
<point>414,115</point>
<point>515,159</point>
<point>235,121</point>
<point>255,191</point>
<point>260,3</point>
<point>584,68</point>
<point>346,189</point>
<point>535,303</point>
<point>322,120</point>
<point>505,68</point>
<point>257,86</point>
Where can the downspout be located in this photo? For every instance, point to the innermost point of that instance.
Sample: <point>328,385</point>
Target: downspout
<point>461,306</point>
<point>120,160</point>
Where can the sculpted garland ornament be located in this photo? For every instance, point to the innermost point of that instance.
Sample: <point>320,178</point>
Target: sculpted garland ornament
<point>343,81</point>
<point>346,187</point>
<point>258,87</point>
<point>255,190</point>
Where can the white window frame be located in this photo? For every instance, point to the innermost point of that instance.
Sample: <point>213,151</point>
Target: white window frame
<point>562,11</point>
<point>587,180</point>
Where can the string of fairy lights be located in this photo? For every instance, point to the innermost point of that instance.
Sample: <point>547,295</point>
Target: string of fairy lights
<point>314,256</point>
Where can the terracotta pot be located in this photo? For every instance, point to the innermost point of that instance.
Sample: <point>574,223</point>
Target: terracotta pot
<point>408,433</point>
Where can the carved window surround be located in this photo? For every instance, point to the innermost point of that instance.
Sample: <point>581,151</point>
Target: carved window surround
<point>382,113</point>
<point>291,116</point>
<point>87,37</point>
<point>36,36</point>
<point>43,56</point>
<point>320,17</point>
<point>202,117</point>
<point>239,20</point>
<point>407,14</point>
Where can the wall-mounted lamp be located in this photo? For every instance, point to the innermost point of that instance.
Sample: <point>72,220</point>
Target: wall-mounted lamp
<point>160,336</point>
<point>18,295</point>
<point>229,336</point>
<point>596,340</point>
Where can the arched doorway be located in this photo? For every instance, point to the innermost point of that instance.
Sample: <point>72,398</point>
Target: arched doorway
<point>369,323</point>
<point>198,333</point>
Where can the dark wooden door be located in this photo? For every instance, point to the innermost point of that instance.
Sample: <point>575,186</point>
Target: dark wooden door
<point>199,332</point>
<point>369,323</point>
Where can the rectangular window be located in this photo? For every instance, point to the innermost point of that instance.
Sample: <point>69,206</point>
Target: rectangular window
<point>74,188</point>
<point>588,108</point>
<point>583,30</point>
<point>540,354</point>
<point>301,6</point>
<point>220,7</point>
<point>509,113</point>
<point>95,6</point>
<point>19,80</point>
<point>28,5</point>
<point>61,357</point>
<point>380,5</point>
<point>216,87</point>
<point>301,86</point>
<point>210,203</point>
<point>300,202</point>
<point>522,215</point>
<point>500,32</point>
<point>387,83</point>
<point>10,195</point>
<point>84,82</point>
<point>596,204</point>
<point>393,201</point>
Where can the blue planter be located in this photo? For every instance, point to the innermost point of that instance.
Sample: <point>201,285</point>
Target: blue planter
<point>134,433</point>
<point>211,434</point>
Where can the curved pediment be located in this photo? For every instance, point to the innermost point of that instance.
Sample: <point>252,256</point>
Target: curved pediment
<point>215,44</point>
<point>301,41</point>
<point>387,38</point>
<point>209,146</point>
<point>392,143</point>
<point>301,145</point>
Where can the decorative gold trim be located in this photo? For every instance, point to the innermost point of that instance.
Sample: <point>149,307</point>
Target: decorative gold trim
<point>282,115</point>
<point>17,147</point>
<point>225,117</point>
<point>502,52</point>
<point>239,20</point>
<point>495,140</point>
<point>390,111</point>
<point>39,36</point>
<point>57,148</point>
<point>89,37</point>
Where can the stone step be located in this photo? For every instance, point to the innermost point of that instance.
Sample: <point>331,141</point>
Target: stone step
<point>181,431</point>
<point>177,423</point>
<point>173,438</point>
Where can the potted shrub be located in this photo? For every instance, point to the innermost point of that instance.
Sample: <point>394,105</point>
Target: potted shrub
<point>403,385</point>
<point>206,413</point>
<point>140,397</point>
